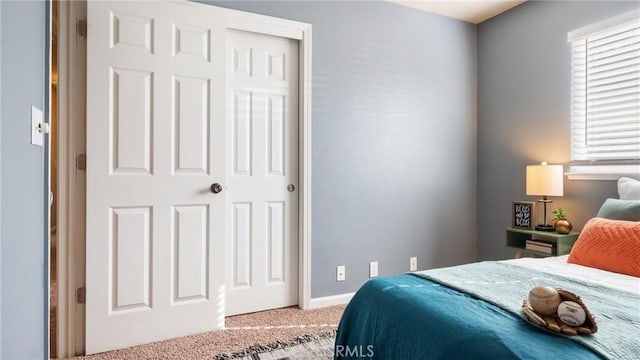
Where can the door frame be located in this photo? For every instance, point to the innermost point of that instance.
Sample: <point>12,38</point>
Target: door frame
<point>72,144</point>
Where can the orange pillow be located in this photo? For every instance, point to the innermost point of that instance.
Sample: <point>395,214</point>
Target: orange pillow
<point>612,245</point>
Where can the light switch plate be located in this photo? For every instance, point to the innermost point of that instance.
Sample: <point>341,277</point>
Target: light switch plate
<point>37,118</point>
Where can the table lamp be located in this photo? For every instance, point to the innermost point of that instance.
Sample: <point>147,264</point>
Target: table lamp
<point>544,180</point>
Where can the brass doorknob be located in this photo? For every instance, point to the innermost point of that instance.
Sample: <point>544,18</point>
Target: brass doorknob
<point>216,188</point>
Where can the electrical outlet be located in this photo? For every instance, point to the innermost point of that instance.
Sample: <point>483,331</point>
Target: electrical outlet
<point>413,264</point>
<point>373,269</point>
<point>340,273</point>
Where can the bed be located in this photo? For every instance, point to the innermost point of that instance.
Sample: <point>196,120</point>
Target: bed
<point>473,311</point>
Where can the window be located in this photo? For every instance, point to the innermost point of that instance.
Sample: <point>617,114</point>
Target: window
<point>605,98</point>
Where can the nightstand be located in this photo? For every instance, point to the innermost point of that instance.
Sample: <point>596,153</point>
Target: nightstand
<point>517,239</point>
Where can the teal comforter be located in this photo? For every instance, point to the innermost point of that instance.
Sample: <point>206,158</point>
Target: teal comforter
<point>410,317</point>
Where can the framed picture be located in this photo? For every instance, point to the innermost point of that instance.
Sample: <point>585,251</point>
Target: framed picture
<point>523,214</point>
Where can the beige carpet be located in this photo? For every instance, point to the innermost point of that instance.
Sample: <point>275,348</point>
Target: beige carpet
<point>241,332</point>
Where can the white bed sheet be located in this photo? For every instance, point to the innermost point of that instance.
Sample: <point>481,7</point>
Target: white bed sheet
<point>560,266</point>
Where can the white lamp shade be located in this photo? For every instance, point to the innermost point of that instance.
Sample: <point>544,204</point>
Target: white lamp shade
<point>544,180</point>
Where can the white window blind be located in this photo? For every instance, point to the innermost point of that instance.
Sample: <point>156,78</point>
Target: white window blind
<point>605,95</point>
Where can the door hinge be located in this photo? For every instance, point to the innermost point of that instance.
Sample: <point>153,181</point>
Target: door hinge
<point>81,294</point>
<point>81,27</point>
<point>81,162</point>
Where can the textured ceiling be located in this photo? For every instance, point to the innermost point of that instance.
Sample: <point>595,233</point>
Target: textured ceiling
<point>473,11</point>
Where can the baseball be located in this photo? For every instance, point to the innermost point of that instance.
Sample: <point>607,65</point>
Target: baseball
<point>571,313</point>
<point>544,300</point>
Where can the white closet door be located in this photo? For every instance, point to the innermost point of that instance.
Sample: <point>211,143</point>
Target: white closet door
<point>155,144</point>
<point>262,249</point>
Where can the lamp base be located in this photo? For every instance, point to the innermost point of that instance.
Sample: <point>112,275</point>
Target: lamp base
<point>545,228</point>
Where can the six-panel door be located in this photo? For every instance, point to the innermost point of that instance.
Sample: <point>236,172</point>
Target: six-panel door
<point>262,243</point>
<point>175,103</point>
<point>155,143</point>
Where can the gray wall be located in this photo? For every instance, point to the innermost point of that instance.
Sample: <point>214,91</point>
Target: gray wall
<point>394,137</point>
<point>22,244</point>
<point>524,109</point>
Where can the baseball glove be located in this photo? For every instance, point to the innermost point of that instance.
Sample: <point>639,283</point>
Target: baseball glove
<point>554,324</point>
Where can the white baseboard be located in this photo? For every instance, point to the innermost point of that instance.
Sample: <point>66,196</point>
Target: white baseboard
<point>331,300</point>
